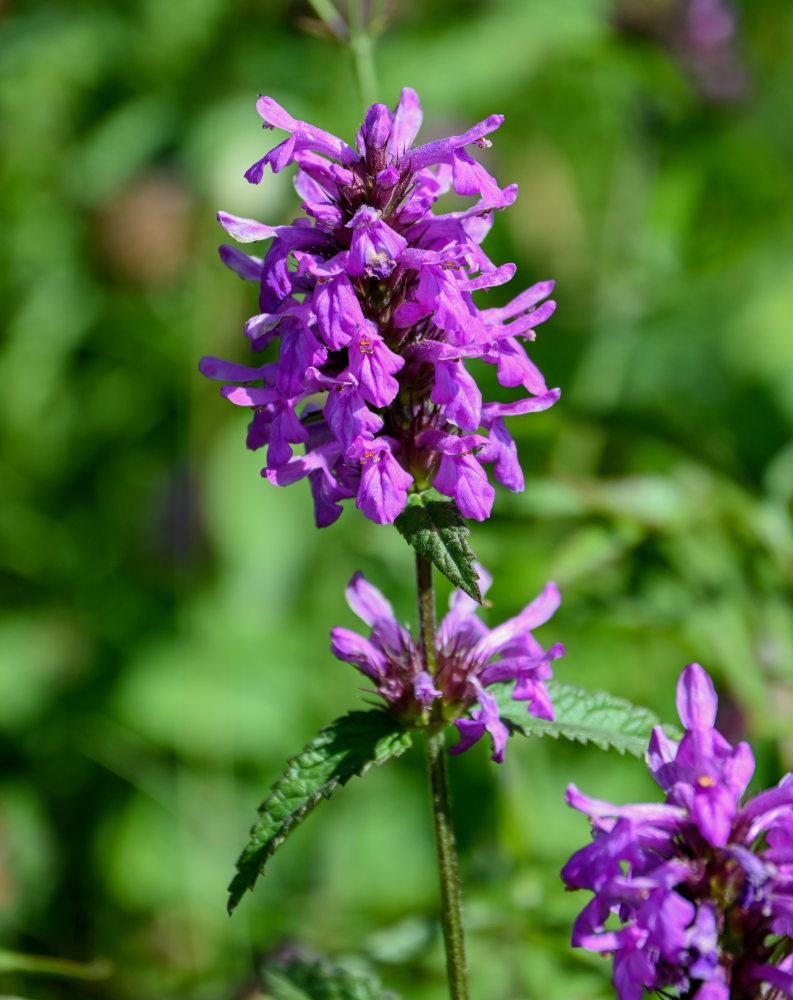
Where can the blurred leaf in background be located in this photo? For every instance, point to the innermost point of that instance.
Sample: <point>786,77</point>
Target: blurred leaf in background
<point>165,614</point>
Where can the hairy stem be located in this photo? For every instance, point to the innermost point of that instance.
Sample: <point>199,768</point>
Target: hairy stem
<point>426,599</point>
<point>451,914</point>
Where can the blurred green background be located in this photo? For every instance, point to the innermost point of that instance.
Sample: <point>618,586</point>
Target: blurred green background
<point>164,629</point>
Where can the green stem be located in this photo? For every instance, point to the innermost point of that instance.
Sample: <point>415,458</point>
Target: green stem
<point>330,17</point>
<point>451,914</point>
<point>426,598</point>
<point>14,961</point>
<point>362,52</point>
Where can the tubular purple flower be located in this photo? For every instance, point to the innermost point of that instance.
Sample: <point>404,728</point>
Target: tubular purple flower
<point>384,483</point>
<point>380,314</point>
<point>309,136</point>
<point>250,268</point>
<point>348,416</point>
<point>457,390</point>
<point>441,151</point>
<point>375,248</point>
<point>702,885</point>
<point>373,365</point>
<point>459,474</point>
<point>484,718</point>
<point>376,129</point>
<point>339,314</point>
<point>500,447</point>
<point>464,663</point>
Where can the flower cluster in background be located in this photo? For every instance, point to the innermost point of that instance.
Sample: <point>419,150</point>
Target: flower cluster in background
<point>701,34</point>
<point>464,664</point>
<point>371,298</point>
<point>695,894</point>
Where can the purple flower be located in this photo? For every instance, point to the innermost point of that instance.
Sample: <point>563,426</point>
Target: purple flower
<point>484,718</point>
<point>373,365</point>
<point>375,248</point>
<point>468,657</point>
<point>460,475</point>
<point>369,298</point>
<point>701,884</point>
<point>384,483</point>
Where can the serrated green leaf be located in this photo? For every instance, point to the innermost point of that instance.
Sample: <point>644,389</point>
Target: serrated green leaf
<point>348,746</point>
<point>436,529</point>
<point>583,716</point>
<point>316,979</point>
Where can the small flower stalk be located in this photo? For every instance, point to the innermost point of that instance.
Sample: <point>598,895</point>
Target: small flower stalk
<point>693,895</point>
<point>464,663</point>
<point>369,297</point>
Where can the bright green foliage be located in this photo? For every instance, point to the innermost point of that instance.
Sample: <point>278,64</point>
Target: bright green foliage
<point>348,746</point>
<point>304,979</point>
<point>584,716</point>
<point>437,530</point>
<point>165,616</point>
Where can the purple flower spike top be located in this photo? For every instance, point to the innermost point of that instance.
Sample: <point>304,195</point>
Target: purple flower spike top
<point>702,884</point>
<point>465,662</point>
<point>368,299</point>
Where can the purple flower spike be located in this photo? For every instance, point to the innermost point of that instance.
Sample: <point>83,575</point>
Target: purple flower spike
<point>702,885</point>
<point>369,298</point>
<point>468,658</point>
